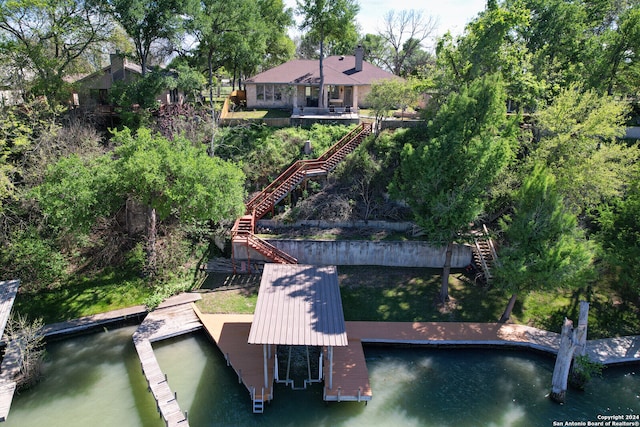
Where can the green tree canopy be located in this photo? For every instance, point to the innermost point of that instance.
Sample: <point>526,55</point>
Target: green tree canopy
<point>578,143</point>
<point>47,39</point>
<point>175,178</point>
<point>544,247</point>
<point>327,20</point>
<point>443,178</point>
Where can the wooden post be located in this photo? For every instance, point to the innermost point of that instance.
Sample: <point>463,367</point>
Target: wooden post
<point>563,363</point>
<point>572,341</point>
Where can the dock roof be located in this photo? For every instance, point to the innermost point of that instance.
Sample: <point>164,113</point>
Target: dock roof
<point>299,305</point>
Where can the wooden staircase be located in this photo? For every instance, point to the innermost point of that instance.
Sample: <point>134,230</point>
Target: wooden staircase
<point>265,202</point>
<point>484,255</point>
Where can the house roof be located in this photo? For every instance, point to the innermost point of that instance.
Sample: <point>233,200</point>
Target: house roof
<point>128,66</point>
<point>299,305</point>
<point>338,70</point>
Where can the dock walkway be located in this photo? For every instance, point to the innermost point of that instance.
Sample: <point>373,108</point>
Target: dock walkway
<point>350,375</point>
<point>231,333</point>
<point>169,320</point>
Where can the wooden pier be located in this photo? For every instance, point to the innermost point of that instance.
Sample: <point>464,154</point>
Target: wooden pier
<point>165,322</point>
<point>12,357</point>
<point>231,332</point>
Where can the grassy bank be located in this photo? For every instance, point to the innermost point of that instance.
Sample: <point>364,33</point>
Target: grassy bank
<point>410,294</point>
<point>368,293</point>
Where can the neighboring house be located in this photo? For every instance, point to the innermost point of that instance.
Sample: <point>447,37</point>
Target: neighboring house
<point>93,90</point>
<point>296,84</point>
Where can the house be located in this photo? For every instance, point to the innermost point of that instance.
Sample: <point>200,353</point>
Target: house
<point>295,84</point>
<point>92,91</point>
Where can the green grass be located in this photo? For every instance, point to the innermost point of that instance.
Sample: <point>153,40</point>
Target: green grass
<point>259,114</point>
<point>411,295</point>
<point>73,299</point>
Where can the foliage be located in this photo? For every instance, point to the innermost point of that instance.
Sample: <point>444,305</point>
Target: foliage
<point>48,39</point>
<point>443,178</point>
<point>75,193</point>
<point>149,23</point>
<point>28,338</point>
<point>135,99</point>
<point>578,143</point>
<point>327,20</point>
<point>33,259</point>
<point>175,178</point>
<point>391,94</point>
<point>582,370</point>
<point>404,32</point>
<point>620,236</point>
<point>545,248</point>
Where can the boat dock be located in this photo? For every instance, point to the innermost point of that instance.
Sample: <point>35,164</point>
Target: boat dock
<point>172,318</point>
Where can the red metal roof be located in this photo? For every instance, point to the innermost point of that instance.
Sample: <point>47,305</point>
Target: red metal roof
<point>338,70</point>
<point>299,305</point>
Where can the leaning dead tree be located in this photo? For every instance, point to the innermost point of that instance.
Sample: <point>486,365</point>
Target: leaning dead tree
<point>405,32</point>
<point>572,340</point>
<point>25,351</point>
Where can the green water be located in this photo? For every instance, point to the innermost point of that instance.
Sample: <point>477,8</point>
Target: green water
<point>96,381</point>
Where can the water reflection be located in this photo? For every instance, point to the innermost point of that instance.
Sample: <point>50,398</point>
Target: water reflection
<point>96,381</point>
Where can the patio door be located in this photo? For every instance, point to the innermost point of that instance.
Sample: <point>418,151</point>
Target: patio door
<point>348,96</point>
<point>312,93</point>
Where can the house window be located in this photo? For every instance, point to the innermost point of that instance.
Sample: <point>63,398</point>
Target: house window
<point>173,96</point>
<point>268,93</point>
<point>260,92</point>
<point>277,92</point>
<point>334,92</point>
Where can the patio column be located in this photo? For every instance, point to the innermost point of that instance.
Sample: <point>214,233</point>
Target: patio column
<point>266,372</point>
<point>295,97</point>
<point>355,98</point>
<point>330,367</point>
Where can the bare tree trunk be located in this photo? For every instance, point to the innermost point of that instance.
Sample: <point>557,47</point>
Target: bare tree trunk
<point>571,341</point>
<point>212,105</point>
<point>321,92</point>
<point>152,233</point>
<point>444,287</point>
<point>563,363</point>
<point>507,312</point>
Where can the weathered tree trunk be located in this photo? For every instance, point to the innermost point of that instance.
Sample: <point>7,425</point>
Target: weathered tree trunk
<point>446,269</point>
<point>580,337</point>
<point>152,233</point>
<point>507,312</point>
<point>563,363</point>
<point>212,105</point>
<point>321,92</point>
<point>571,340</point>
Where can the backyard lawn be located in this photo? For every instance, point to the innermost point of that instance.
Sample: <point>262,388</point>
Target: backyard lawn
<point>410,294</point>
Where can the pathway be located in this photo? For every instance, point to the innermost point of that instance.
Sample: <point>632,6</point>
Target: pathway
<point>170,319</point>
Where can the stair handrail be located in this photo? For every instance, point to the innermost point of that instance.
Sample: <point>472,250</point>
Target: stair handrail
<point>263,243</point>
<point>304,165</point>
<point>485,267</point>
<point>494,254</point>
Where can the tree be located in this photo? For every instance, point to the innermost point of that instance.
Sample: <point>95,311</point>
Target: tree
<point>443,178</point>
<point>579,144</point>
<point>47,39</point>
<point>175,178</point>
<point>391,94</point>
<point>376,50</point>
<point>404,33</point>
<point>491,43</point>
<point>327,20</point>
<point>544,247</point>
<point>149,22</point>
<point>620,236</point>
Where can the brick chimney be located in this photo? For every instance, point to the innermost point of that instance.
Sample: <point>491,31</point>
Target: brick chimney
<point>359,57</point>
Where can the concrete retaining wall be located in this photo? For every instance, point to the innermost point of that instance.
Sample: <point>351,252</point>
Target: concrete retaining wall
<point>355,252</point>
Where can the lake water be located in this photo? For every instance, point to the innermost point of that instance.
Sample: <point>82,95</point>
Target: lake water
<point>95,380</point>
